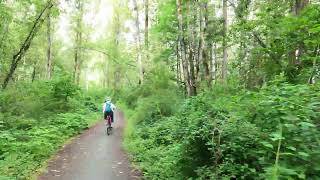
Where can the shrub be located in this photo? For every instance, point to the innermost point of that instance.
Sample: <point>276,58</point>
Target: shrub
<point>270,134</point>
<point>36,119</point>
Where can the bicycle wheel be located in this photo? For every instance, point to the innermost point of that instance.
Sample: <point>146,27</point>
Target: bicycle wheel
<point>109,129</point>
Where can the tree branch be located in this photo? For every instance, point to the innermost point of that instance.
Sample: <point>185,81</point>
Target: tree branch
<point>106,54</point>
<point>232,4</point>
<point>262,44</point>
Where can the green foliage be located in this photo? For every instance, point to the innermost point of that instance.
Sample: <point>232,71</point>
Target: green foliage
<point>277,41</point>
<point>40,98</point>
<point>158,90</point>
<point>232,134</point>
<point>36,119</point>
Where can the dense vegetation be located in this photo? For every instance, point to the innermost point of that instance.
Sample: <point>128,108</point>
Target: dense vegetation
<point>212,89</point>
<point>241,100</point>
<point>228,133</point>
<point>41,104</point>
<point>36,120</point>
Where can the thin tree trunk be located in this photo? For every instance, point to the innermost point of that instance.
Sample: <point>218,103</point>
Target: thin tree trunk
<point>205,57</point>
<point>146,29</point>
<point>138,42</point>
<point>78,43</point>
<point>181,72</point>
<point>225,53</point>
<point>215,64</point>
<point>211,62</point>
<point>196,43</point>
<point>117,75</point>
<point>315,69</point>
<point>80,60</point>
<point>33,76</point>
<point>201,45</point>
<point>76,58</point>
<point>191,57</point>
<point>49,49</point>
<point>178,65</point>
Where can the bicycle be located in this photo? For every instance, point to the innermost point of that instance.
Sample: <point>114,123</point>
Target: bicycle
<point>109,128</point>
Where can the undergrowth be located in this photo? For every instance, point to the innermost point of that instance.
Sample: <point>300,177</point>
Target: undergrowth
<point>225,133</point>
<point>36,120</point>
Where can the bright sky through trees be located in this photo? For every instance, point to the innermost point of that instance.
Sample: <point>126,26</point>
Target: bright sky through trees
<point>98,16</point>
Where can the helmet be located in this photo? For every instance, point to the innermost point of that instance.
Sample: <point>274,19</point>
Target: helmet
<point>108,99</point>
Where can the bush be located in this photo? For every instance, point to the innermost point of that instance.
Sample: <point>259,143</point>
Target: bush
<point>270,134</point>
<point>36,120</point>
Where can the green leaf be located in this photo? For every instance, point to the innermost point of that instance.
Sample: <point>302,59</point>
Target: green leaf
<point>267,144</point>
<point>292,148</point>
<point>303,154</point>
<point>287,153</point>
<point>302,176</point>
<point>276,136</point>
<point>306,125</point>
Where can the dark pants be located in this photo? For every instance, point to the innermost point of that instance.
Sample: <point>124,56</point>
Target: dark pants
<point>106,114</point>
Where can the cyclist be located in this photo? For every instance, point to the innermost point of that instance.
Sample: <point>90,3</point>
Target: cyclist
<point>108,109</point>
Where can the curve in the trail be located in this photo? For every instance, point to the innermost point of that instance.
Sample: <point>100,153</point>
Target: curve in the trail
<point>92,156</point>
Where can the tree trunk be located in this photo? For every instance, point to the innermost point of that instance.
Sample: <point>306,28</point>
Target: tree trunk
<point>178,65</point>
<point>179,56</point>
<point>78,43</point>
<point>200,44</point>
<point>225,53</point>
<point>196,42</point>
<point>205,53</point>
<point>183,50</point>
<point>138,42</point>
<point>146,29</point>
<point>191,50</point>
<point>76,58</point>
<point>299,5</point>
<point>33,76</point>
<point>49,49</point>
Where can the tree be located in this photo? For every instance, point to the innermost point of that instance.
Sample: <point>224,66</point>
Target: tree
<point>27,42</point>
<point>78,41</point>
<point>49,48</point>
<point>182,48</point>
<point>225,51</point>
<point>138,42</point>
<point>146,28</point>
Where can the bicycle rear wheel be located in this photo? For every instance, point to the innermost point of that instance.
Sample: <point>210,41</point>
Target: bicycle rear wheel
<point>109,131</point>
<point>109,128</point>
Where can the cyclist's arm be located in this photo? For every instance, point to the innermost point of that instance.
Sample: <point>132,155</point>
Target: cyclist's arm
<point>103,107</point>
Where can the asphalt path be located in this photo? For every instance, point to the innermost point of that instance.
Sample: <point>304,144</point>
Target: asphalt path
<point>93,156</point>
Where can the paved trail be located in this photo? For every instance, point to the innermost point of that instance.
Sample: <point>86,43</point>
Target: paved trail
<point>92,156</point>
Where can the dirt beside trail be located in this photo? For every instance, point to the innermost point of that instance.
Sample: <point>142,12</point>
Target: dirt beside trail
<point>93,156</point>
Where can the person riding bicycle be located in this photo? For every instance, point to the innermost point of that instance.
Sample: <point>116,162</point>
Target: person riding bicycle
<point>108,109</point>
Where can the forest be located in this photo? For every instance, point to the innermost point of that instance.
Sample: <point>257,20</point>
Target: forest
<point>211,89</point>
